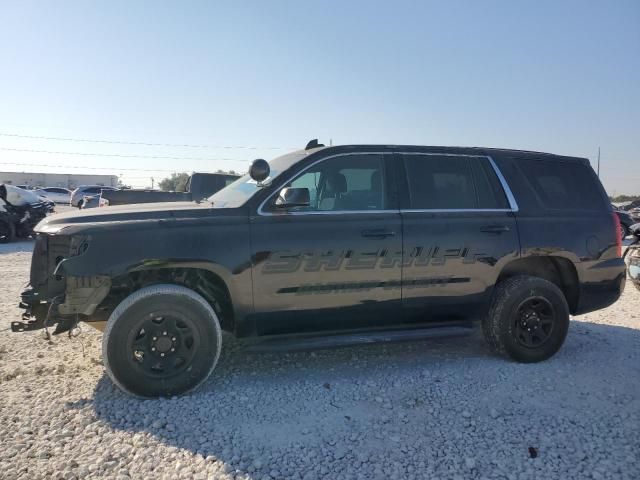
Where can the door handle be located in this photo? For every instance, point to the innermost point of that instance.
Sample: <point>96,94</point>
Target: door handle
<point>378,233</point>
<point>494,229</point>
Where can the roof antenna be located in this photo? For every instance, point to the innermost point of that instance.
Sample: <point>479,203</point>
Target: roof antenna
<point>313,144</point>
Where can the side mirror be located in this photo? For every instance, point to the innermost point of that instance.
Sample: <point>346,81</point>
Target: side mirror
<point>259,170</point>
<point>3,192</point>
<point>293,197</point>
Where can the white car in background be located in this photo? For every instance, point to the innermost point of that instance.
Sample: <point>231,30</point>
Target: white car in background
<point>93,201</point>
<point>55,194</point>
<point>77,196</point>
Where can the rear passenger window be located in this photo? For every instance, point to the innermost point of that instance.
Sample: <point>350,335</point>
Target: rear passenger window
<point>562,185</point>
<point>449,182</point>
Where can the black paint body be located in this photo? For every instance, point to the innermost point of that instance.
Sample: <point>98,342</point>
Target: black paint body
<point>290,273</point>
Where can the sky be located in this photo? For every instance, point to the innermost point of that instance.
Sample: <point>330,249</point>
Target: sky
<point>554,76</point>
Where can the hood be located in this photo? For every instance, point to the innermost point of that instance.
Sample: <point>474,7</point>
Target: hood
<point>19,197</point>
<point>122,214</point>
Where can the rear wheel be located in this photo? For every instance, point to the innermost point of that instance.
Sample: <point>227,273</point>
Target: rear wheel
<point>162,340</point>
<point>528,319</point>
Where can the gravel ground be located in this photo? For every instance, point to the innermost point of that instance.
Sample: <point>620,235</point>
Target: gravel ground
<point>430,409</point>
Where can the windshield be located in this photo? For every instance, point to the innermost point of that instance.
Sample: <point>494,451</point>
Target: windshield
<point>237,193</point>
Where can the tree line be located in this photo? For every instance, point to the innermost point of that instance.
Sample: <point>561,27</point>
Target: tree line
<point>624,198</point>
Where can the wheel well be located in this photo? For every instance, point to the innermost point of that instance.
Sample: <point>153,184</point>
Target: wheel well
<point>206,283</point>
<point>557,270</point>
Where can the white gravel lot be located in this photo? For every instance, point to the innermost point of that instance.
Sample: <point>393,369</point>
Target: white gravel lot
<point>441,409</point>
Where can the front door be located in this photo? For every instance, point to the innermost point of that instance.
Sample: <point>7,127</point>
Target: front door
<point>459,231</point>
<point>335,264</point>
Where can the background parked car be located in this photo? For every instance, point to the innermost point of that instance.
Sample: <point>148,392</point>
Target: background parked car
<point>199,186</point>
<point>49,204</point>
<point>77,196</point>
<point>626,220</point>
<point>634,204</point>
<point>7,230</point>
<point>93,201</point>
<point>56,194</point>
<point>24,209</point>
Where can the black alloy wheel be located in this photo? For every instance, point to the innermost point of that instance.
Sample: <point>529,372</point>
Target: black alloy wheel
<point>163,344</point>
<point>534,322</point>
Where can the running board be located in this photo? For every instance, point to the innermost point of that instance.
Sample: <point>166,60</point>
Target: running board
<point>317,342</point>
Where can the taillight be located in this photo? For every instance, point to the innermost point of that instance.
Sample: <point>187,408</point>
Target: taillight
<point>618,233</point>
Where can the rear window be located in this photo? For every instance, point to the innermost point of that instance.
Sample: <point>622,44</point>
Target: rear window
<point>448,182</point>
<point>563,185</point>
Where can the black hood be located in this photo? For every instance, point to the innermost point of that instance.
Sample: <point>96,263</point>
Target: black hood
<point>122,214</point>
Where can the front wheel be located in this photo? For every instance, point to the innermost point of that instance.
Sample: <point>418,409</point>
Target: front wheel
<point>528,319</point>
<point>162,340</point>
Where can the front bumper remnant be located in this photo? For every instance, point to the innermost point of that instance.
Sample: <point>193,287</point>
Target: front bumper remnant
<point>43,315</point>
<point>35,314</point>
<point>79,302</point>
<point>29,322</point>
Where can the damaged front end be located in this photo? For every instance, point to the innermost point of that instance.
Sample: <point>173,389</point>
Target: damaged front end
<point>54,298</point>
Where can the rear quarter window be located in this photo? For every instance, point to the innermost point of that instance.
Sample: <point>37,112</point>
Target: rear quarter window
<point>561,185</point>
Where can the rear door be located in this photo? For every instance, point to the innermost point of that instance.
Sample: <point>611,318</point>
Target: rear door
<point>459,230</point>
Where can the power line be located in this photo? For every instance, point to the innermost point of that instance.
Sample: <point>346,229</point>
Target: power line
<point>147,144</point>
<point>118,155</point>
<point>90,168</point>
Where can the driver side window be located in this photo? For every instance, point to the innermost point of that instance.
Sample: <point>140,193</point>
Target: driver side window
<point>345,183</point>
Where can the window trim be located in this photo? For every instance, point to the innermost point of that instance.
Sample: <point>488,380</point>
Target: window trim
<point>263,213</point>
<point>503,182</point>
<point>513,205</point>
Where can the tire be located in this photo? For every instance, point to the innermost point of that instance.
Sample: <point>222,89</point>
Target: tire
<point>160,341</point>
<point>528,319</point>
<point>7,231</point>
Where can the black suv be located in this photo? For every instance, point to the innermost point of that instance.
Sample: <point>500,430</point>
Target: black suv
<point>369,241</point>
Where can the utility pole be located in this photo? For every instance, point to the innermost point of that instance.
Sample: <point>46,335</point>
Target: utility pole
<point>598,162</point>
<point>151,183</point>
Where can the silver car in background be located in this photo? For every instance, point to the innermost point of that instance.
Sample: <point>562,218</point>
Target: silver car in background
<point>55,194</point>
<point>77,196</point>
